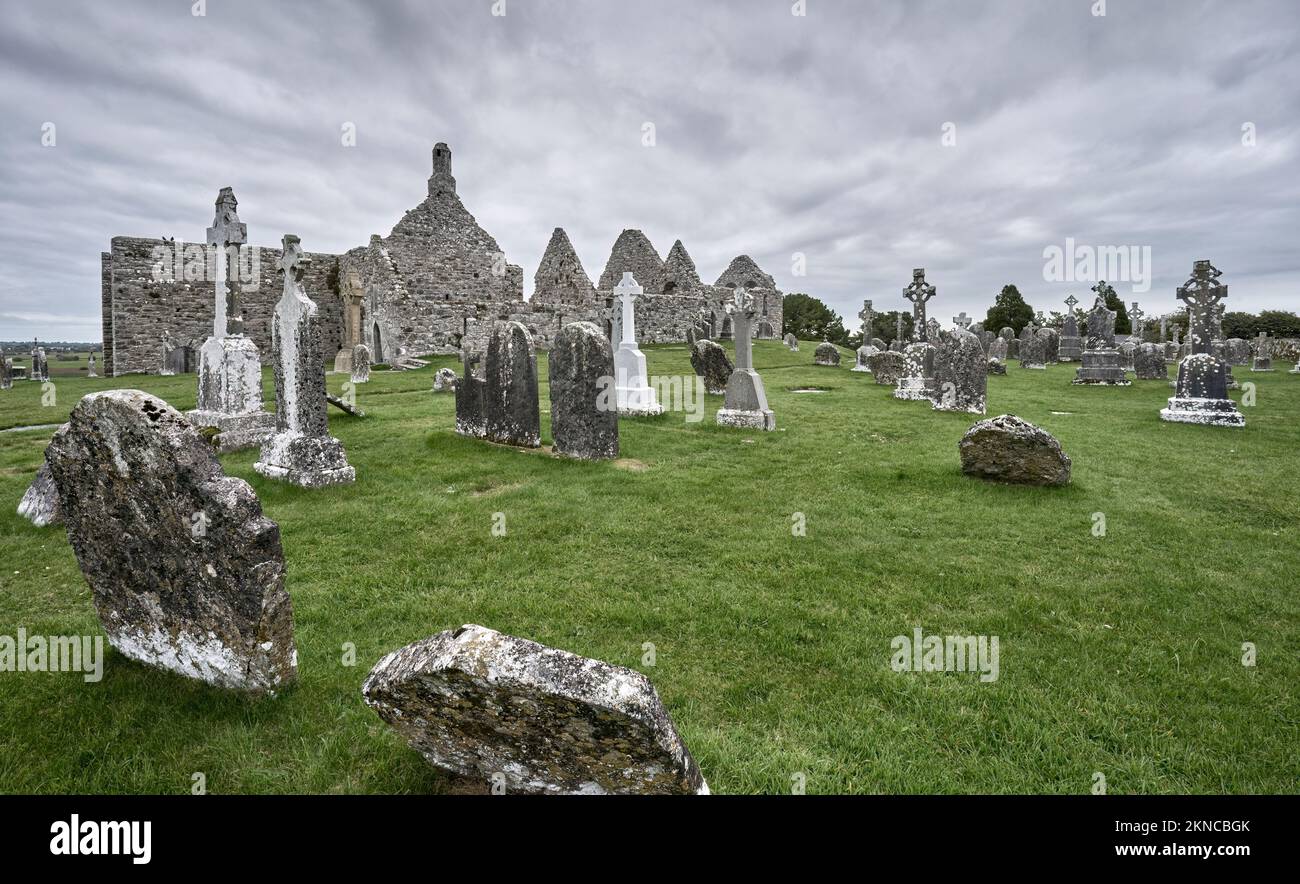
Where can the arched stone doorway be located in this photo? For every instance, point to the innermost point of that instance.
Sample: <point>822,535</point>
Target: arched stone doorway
<point>378,354</point>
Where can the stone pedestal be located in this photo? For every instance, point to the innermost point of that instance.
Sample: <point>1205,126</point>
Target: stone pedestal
<point>1071,348</point>
<point>230,394</point>
<point>746,403</point>
<point>1101,367</point>
<point>1202,395</point>
<point>305,461</point>
<point>917,382</point>
<point>634,395</point>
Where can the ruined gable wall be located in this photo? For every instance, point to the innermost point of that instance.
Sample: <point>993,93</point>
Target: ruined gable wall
<point>139,309</point>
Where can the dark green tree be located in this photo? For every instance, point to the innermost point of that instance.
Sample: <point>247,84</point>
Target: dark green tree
<point>808,319</point>
<point>885,326</point>
<point>1009,309</point>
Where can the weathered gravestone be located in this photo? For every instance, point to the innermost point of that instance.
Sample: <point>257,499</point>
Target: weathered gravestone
<point>360,364</point>
<point>40,503</point>
<point>998,349</point>
<point>1033,348</point>
<point>1100,362</point>
<point>6,372</point>
<point>90,367</point>
<point>710,362</point>
<point>1201,395</point>
<point>444,380</point>
<point>510,404</point>
<point>1149,363</point>
<point>584,418</point>
<point>996,366</point>
<point>826,354</point>
<point>864,353</point>
<point>471,398</point>
<point>230,367</point>
<point>746,402</point>
<point>792,342</point>
<point>917,380</point>
<point>40,366</point>
<point>1070,348</point>
<point>527,718</point>
<point>1008,449</point>
<point>1263,354</point>
<point>1238,351</point>
<point>186,571</point>
<point>887,367</point>
<point>302,452</point>
<point>1051,345</point>
<point>960,372</point>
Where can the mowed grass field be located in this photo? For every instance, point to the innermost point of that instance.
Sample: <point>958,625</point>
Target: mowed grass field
<point>1119,654</point>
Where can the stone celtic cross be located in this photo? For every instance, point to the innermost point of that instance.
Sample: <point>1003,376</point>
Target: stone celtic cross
<point>867,315</point>
<point>1135,316</point>
<point>961,320</point>
<point>227,233</point>
<point>741,310</point>
<point>1070,302</point>
<point>918,293</point>
<point>1202,294</point>
<point>628,291</point>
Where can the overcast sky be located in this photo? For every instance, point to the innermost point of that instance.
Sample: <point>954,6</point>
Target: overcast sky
<point>774,135</point>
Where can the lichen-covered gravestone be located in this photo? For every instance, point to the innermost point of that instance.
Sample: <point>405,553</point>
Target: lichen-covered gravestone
<point>916,383</point>
<point>527,718</point>
<point>471,396</point>
<point>792,342</point>
<point>186,571</point>
<point>746,402</point>
<point>40,503</point>
<point>444,380</point>
<point>960,373</point>
<point>1201,396</point>
<point>302,451</point>
<point>886,367</point>
<point>1149,363</point>
<point>826,354</point>
<point>1008,449</point>
<point>584,415</point>
<point>360,364</point>
<point>710,362</point>
<point>511,411</point>
<point>864,353</point>
<point>997,366</point>
<point>1100,361</point>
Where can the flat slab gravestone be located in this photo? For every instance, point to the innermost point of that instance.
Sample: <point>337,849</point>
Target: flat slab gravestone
<point>1149,363</point>
<point>1008,449</point>
<point>584,418</point>
<point>187,572</point>
<point>961,374</point>
<point>711,362</point>
<point>887,367</point>
<point>533,719</point>
<point>510,404</point>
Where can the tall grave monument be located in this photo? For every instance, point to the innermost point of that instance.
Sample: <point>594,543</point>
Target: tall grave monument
<point>917,380</point>
<point>1071,346</point>
<point>634,394</point>
<point>746,402</point>
<point>1101,360</point>
<point>1202,391</point>
<point>230,368</point>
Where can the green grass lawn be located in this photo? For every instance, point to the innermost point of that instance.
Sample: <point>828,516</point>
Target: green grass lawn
<point>1119,654</point>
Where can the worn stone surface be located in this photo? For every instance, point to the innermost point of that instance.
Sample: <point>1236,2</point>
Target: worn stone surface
<point>1202,394</point>
<point>996,366</point>
<point>360,364</point>
<point>960,372</point>
<point>1238,351</point>
<point>444,380</point>
<point>998,349</point>
<point>1100,361</point>
<point>230,394</point>
<point>1070,348</point>
<point>792,342</point>
<point>1263,354</point>
<point>510,370</point>
<point>1033,348</point>
<point>864,353</point>
<point>746,403</point>
<point>919,292</point>
<point>584,417</point>
<point>826,354</point>
<point>187,573</point>
<point>471,399</point>
<point>6,372</point>
<point>560,277</point>
<point>1149,363</point>
<point>711,362</point>
<point>302,452</point>
<point>1051,345</point>
<point>40,503</point>
<point>1008,449</point>
<point>887,367</point>
<point>917,380</point>
<point>497,708</point>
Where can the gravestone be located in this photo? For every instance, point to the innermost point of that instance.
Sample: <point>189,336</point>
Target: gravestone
<point>1237,351</point>
<point>710,362</point>
<point>302,452</point>
<point>919,292</point>
<point>792,342</point>
<point>360,364</point>
<point>917,380</point>
<point>584,420</point>
<point>1126,352</point>
<point>1070,347</point>
<point>230,367</point>
<point>765,332</point>
<point>527,718</point>
<point>960,372</point>
<point>471,396</point>
<point>690,338</point>
<point>634,394</point>
<point>444,380</point>
<point>826,354</point>
<point>1007,334</point>
<point>1201,396</point>
<point>1013,348</point>
<point>1033,348</point>
<point>6,372</point>
<point>998,349</point>
<point>863,354</point>
<point>1100,363</point>
<point>1149,363</point>
<point>90,367</point>
<point>1008,449</point>
<point>40,503</point>
<point>166,368</point>
<point>726,333</point>
<point>40,366</point>
<point>189,576</point>
<point>868,316</point>
<point>1051,345</point>
<point>746,402</point>
<point>887,366</point>
<point>343,361</point>
<point>879,344</point>
<point>510,403</point>
<point>1263,354</point>
<point>997,366</point>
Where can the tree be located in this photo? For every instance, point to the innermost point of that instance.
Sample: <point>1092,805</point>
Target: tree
<point>1123,325</point>
<point>1009,309</point>
<point>885,326</point>
<point>808,319</point>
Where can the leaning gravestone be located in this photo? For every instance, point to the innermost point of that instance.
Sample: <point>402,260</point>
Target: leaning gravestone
<point>1201,395</point>
<point>710,362</point>
<point>792,342</point>
<point>1149,363</point>
<point>471,397</point>
<point>887,367</point>
<point>960,373</point>
<point>510,369</point>
<point>826,354</point>
<point>40,503</point>
<point>511,712</point>
<point>1008,449</point>
<point>186,571</point>
<point>584,420</point>
<point>444,380</point>
<point>360,364</point>
<point>302,452</point>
